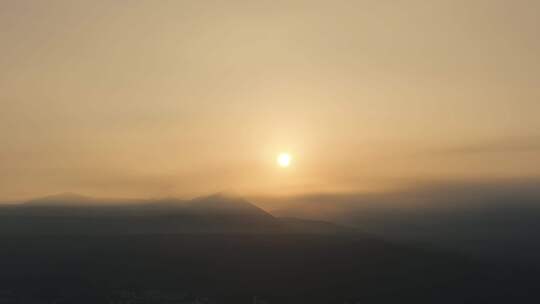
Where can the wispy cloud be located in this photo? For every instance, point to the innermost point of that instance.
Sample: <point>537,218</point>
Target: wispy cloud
<point>500,145</point>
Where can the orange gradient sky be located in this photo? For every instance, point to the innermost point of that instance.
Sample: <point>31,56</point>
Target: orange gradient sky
<point>180,98</point>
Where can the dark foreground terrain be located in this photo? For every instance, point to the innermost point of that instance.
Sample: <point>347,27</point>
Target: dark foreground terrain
<point>247,269</point>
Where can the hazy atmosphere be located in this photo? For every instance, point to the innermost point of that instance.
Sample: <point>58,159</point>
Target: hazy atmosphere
<point>269,152</point>
<point>183,98</point>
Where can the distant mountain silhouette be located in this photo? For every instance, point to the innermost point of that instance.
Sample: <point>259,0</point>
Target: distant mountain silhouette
<point>218,213</point>
<point>84,250</point>
<point>223,205</point>
<point>489,221</point>
<point>62,199</point>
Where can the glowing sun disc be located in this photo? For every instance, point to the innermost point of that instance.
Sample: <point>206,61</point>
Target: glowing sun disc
<point>284,160</point>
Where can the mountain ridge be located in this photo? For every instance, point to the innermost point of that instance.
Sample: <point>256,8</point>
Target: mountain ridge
<point>70,213</point>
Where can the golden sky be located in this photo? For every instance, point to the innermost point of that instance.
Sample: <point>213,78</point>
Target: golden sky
<point>180,98</point>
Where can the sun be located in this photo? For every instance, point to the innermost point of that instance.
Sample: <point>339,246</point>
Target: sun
<point>284,160</point>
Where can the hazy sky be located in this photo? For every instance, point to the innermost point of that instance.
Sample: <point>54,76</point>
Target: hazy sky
<point>160,98</point>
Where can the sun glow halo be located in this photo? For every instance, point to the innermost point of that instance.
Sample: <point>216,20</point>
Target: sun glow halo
<point>284,160</point>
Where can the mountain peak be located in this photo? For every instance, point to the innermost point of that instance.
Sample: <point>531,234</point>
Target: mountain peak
<point>226,204</point>
<point>218,196</point>
<point>221,200</point>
